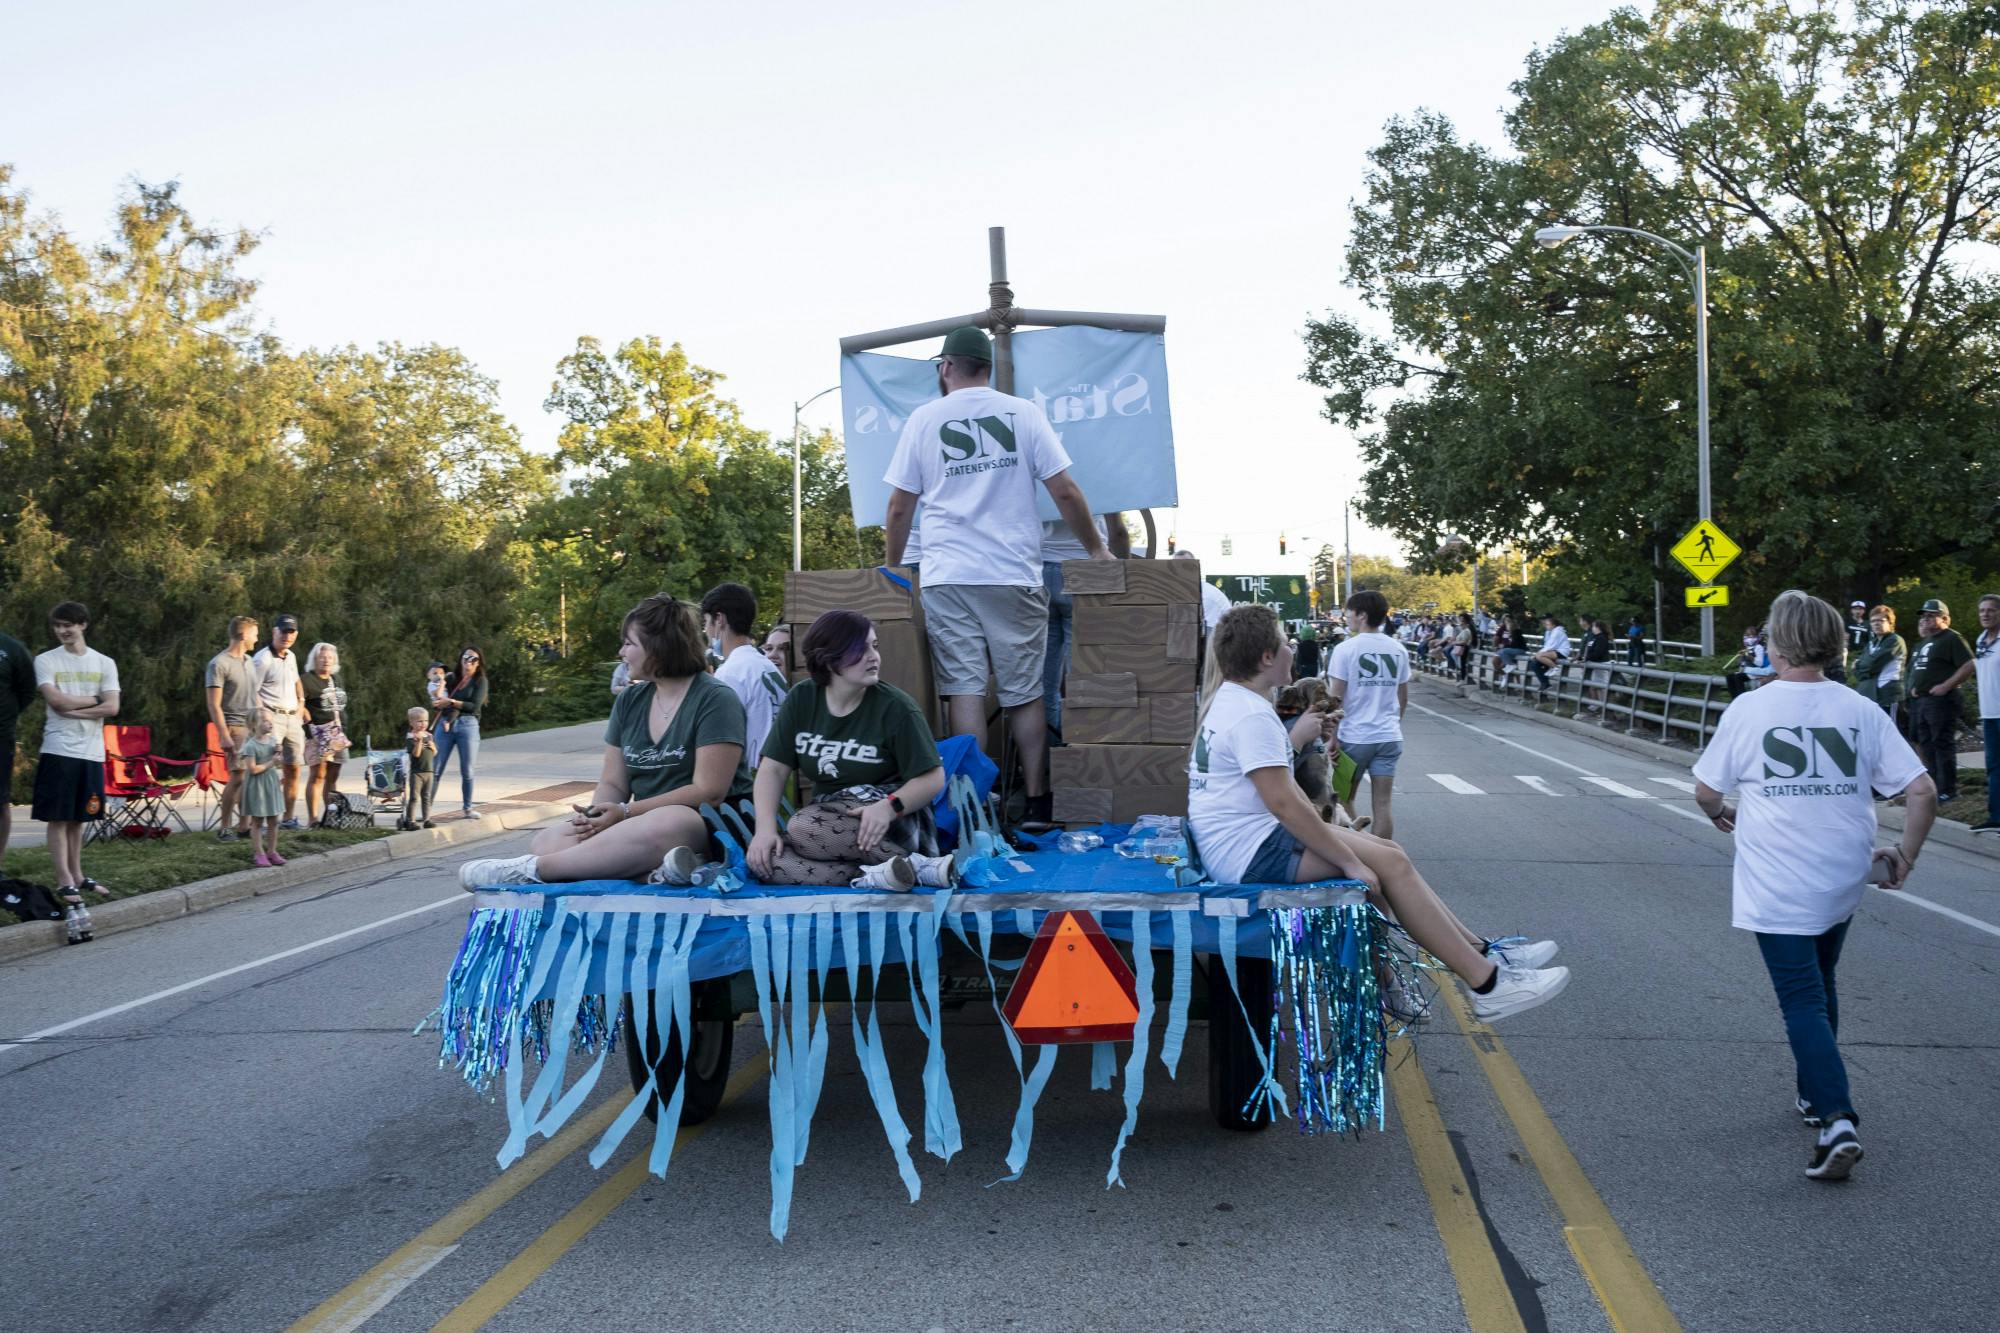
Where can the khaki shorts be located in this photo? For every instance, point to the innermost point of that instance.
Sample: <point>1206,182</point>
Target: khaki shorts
<point>288,733</point>
<point>969,623</point>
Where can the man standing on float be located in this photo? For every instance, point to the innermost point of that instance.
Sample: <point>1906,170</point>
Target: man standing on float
<point>974,457</point>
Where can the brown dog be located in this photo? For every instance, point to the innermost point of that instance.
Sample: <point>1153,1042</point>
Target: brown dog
<point>1313,770</point>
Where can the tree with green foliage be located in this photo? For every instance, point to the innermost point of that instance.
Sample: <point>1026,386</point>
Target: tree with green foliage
<point>669,492</point>
<point>1842,166</point>
<point>170,466</point>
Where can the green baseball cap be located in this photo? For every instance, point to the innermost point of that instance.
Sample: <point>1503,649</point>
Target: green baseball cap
<point>968,342</point>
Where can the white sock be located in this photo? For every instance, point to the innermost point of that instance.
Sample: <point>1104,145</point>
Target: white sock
<point>1828,1134</point>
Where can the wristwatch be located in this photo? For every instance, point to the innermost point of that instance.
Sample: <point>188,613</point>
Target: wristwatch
<point>896,803</point>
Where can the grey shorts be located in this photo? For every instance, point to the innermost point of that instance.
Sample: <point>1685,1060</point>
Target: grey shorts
<point>288,733</point>
<point>1377,759</point>
<point>969,623</point>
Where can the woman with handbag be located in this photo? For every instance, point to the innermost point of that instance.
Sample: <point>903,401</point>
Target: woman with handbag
<point>326,736</point>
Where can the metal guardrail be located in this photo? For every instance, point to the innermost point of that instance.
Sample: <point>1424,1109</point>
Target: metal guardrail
<point>1657,650</point>
<point>1663,703</point>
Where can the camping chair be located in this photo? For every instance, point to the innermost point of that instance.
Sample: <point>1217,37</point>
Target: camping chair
<point>211,772</point>
<point>132,779</point>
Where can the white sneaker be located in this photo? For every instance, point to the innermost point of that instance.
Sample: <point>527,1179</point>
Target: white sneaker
<point>1518,988</point>
<point>934,872</point>
<point>676,868</point>
<point>1836,1152</point>
<point>896,875</point>
<point>1516,951</point>
<point>494,870</point>
<point>1401,1006</point>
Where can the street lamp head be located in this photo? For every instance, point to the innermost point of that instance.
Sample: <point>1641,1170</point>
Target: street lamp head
<point>1551,237</point>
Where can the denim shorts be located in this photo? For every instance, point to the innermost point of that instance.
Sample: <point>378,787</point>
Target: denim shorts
<point>1375,758</point>
<point>1277,859</point>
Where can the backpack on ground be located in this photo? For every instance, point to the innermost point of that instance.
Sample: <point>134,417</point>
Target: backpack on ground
<point>341,813</point>
<point>30,902</point>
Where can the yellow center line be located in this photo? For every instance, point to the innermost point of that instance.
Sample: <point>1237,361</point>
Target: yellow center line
<point>352,1305</point>
<point>1482,1287</point>
<point>498,1291</point>
<point>1631,1299</point>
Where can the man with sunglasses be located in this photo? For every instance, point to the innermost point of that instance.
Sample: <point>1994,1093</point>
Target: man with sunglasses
<point>1986,665</point>
<point>1939,664</point>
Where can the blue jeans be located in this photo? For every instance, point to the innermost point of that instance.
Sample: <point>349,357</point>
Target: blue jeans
<point>1055,661</point>
<point>463,737</point>
<point>1989,730</point>
<point>1801,968</point>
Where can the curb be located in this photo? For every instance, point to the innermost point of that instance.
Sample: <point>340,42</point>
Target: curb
<point>33,937</point>
<point>1947,831</point>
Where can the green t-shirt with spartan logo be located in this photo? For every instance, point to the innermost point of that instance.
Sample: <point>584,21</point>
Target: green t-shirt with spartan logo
<point>711,714</point>
<point>882,743</point>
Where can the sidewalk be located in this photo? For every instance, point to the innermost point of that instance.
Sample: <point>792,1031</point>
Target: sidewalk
<point>522,780</point>
<point>526,768</point>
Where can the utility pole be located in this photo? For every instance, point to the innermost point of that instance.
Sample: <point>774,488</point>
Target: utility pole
<point>1347,541</point>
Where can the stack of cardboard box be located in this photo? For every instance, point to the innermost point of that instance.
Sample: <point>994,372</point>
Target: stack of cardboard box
<point>1129,709</point>
<point>892,605</point>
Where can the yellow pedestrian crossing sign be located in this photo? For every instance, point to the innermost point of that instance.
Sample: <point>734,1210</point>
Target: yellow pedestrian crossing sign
<point>1707,594</point>
<point>1705,552</point>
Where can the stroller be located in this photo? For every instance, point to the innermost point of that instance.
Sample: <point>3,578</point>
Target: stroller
<point>386,781</point>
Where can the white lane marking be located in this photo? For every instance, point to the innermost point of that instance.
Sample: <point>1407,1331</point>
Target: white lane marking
<point>1699,818</point>
<point>1539,784</point>
<point>459,899</point>
<point>366,1303</point>
<point>1676,784</point>
<point>1929,906</point>
<point>1578,769</point>
<point>1619,788</point>
<point>1452,782</point>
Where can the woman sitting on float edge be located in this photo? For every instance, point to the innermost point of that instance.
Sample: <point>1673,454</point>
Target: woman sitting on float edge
<point>1253,825</point>
<point>864,746</point>
<point>674,743</point>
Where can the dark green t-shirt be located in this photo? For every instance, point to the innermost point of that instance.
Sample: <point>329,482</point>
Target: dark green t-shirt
<point>711,714</point>
<point>882,743</point>
<point>1934,659</point>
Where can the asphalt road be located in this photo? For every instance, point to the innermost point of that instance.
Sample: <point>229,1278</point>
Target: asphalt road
<point>236,1153</point>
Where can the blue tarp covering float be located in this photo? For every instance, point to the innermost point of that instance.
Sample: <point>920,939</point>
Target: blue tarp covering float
<point>547,975</point>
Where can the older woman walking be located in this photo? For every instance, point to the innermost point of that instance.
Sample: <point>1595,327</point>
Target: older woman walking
<point>457,730</point>
<point>1801,754</point>
<point>674,744</point>
<point>326,733</point>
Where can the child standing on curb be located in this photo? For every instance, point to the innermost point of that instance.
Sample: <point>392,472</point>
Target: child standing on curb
<point>263,795</point>
<point>419,756</point>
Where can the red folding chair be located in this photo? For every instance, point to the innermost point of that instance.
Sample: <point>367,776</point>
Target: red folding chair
<point>211,771</point>
<point>138,801</point>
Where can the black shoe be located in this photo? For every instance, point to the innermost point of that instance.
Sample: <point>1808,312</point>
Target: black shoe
<point>1836,1153</point>
<point>1039,816</point>
<point>429,824</point>
<point>1807,1114</point>
<point>1987,826</point>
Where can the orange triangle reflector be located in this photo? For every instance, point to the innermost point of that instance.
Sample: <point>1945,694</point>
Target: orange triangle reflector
<point>1073,986</point>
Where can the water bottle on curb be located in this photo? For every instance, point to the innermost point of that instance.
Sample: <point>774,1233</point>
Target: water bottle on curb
<point>1079,842</point>
<point>76,924</point>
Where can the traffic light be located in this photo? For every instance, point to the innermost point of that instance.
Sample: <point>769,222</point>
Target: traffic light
<point>1281,543</point>
<point>1170,543</point>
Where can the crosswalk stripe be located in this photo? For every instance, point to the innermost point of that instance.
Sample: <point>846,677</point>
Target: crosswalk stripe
<point>1619,788</point>
<point>1539,784</point>
<point>1453,783</point>
<point>1676,784</point>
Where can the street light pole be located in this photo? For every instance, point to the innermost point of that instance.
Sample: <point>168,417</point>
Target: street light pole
<point>798,544</point>
<point>1695,265</point>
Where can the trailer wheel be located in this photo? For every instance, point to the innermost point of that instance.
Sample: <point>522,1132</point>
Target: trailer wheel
<point>1233,1069</point>
<point>707,1070</point>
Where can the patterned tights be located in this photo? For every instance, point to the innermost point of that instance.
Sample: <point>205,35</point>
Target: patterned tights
<point>819,847</point>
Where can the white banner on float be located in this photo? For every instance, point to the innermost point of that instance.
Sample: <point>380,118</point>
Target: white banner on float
<point>1104,391</point>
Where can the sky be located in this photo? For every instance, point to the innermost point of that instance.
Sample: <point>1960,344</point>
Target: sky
<point>756,181</point>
